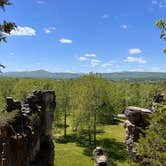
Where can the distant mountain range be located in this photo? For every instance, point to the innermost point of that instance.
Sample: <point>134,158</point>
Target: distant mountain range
<point>140,76</point>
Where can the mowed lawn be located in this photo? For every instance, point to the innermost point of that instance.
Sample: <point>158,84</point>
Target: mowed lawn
<point>111,138</point>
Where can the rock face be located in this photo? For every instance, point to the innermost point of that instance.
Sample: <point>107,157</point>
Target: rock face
<point>99,157</point>
<point>137,119</point>
<point>26,131</point>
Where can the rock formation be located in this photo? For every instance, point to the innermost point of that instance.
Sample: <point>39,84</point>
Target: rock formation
<point>26,131</point>
<point>99,157</point>
<point>137,119</point>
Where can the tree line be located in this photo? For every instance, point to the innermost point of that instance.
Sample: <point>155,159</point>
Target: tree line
<point>84,103</point>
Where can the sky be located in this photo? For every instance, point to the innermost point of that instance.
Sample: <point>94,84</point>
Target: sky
<point>84,36</point>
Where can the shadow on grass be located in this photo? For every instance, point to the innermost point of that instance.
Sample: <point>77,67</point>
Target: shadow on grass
<point>116,151</point>
<point>114,121</point>
<point>80,139</point>
<point>70,138</point>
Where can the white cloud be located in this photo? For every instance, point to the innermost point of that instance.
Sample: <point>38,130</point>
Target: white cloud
<point>135,51</point>
<point>105,16</point>
<point>90,55</point>
<point>124,26</point>
<point>159,3</point>
<point>40,2</point>
<point>23,31</point>
<point>110,63</point>
<point>154,2</point>
<point>162,4</point>
<point>94,62</point>
<point>65,41</point>
<point>38,63</point>
<point>82,58</point>
<point>131,59</point>
<point>11,53</point>
<point>49,29</point>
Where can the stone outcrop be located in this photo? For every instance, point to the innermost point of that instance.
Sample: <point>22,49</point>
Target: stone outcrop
<point>137,119</point>
<point>26,131</point>
<point>99,157</point>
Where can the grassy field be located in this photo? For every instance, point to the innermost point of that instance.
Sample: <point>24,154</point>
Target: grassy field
<point>72,153</point>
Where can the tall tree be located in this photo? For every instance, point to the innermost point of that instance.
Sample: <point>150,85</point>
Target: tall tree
<point>93,105</point>
<point>64,102</point>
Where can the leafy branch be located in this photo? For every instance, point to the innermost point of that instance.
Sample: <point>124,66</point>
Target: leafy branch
<point>162,25</point>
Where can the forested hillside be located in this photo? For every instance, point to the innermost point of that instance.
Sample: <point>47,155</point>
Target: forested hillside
<point>116,76</point>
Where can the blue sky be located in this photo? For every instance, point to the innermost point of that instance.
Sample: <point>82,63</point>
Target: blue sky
<point>84,36</point>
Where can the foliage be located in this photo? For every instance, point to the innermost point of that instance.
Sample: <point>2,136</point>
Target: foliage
<point>152,147</point>
<point>1,66</point>
<point>5,27</point>
<point>162,25</point>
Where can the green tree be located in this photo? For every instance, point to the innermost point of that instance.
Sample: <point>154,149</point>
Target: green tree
<point>91,105</point>
<point>5,27</point>
<point>152,147</point>
<point>162,25</point>
<point>1,66</point>
<point>63,103</point>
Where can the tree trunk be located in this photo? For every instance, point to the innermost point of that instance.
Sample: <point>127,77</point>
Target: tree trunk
<point>94,129</point>
<point>89,134</point>
<point>89,129</point>
<point>65,123</point>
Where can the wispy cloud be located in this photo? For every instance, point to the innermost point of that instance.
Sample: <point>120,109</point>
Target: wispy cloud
<point>23,31</point>
<point>11,53</point>
<point>40,2</point>
<point>105,16</point>
<point>131,59</point>
<point>38,63</point>
<point>90,55</point>
<point>65,41</point>
<point>123,26</point>
<point>82,58</point>
<point>154,2</point>
<point>162,4</point>
<point>133,51</point>
<point>108,64</point>
<point>159,3</point>
<point>94,62</point>
<point>49,29</point>
<point>87,57</point>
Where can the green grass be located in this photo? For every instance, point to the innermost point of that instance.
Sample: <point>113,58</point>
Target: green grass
<point>71,155</point>
<point>112,139</point>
